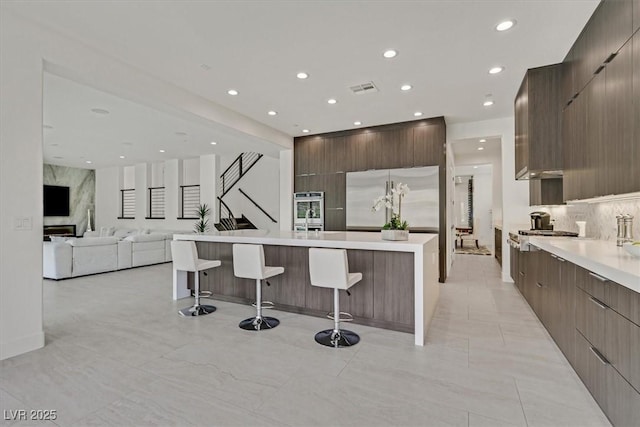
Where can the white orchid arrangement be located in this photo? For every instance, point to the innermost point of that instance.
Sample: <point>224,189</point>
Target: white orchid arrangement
<point>388,201</point>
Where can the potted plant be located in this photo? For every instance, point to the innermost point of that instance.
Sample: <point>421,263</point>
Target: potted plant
<point>202,226</point>
<point>396,228</point>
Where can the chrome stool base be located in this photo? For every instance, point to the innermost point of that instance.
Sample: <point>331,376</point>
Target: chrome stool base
<point>343,338</point>
<point>197,310</point>
<point>259,323</point>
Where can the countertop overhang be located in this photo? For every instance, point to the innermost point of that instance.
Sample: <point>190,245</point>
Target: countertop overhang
<point>598,256</point>
<point>321,239</point>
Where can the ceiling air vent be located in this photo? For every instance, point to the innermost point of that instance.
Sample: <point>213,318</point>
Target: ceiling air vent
<point>367,87</point>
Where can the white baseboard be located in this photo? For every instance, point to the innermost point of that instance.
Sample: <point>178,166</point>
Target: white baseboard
<point>21,345</point>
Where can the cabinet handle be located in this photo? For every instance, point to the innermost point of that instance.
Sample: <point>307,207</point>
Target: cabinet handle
<point>599,355</point>
<point>600,278</point>
<point>521,273</point>
<point>560,259</point>
<point>538,285</point>
<point>554,256</point>
<point>598,303</point>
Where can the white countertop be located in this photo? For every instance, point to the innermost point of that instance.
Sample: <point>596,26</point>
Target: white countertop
<point>324,239</point>
<point>598,256</point>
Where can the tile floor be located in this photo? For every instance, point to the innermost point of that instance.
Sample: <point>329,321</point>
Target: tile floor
<point>117,353</point>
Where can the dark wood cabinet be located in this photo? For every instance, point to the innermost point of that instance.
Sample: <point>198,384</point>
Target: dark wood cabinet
<point>634,153</point>
<point>391,149</point>
<point>538,136</point>
<point>335,154</point>
<point>600,118</point>
<point>497,244</point>
<point>573,148</point>
<point>428,143</point>
<point>622,346</point>
<point>357,146</point>
<point>591,367</point>
<point>617,23</point>
<point>594,95</point>
<point>616,151</point>
<point>636,15</point>
<point>546,191</point>
<point>514,268</point>
<point>593,322</point>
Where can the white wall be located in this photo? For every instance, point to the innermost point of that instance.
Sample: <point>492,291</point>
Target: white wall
<point>191,171</point>
<point>20,190</point>
<point>286,190</point>
<point>515,194</point>
<point>26,49</point>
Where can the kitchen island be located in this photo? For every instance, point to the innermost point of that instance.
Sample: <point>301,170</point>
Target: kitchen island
<point>399,288</point>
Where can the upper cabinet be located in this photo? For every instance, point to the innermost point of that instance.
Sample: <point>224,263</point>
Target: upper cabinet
<point>537,123</point>
<point>601,129</point>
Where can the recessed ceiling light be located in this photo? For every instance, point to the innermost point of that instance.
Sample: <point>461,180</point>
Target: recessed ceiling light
<point>302,75</point>
<point>122,157</point>
<point>488,103</point>
<point>213,143</point>
<point>496,70</point>
<point>357,123</point>
<point>483,140</point>
<point>47,126</point>
<point>475,167</point>
<point>505,25</point>
<point>232,92</point>
<point>390,53</point>
<point>305,130</point>
<point>405,87</point>
<point>332,101</point>
<point>417,113</point>
<point>100,111</point>
<point>88,161</point>
<point>480,148</point>
<point>272,113</point>
<point>162,151</point>
<point>181,133</point>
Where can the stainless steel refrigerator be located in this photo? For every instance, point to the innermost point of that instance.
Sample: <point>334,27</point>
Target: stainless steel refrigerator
<point>419,207</point>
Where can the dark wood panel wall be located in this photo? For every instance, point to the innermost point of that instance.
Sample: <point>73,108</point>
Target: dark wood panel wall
<point>601,104</point>
<point>383,298</point>
<point>322,161</point>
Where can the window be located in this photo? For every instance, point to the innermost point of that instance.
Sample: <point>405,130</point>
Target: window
<point>189,201</point>
<point>156,203</point>
<point>127,204</point>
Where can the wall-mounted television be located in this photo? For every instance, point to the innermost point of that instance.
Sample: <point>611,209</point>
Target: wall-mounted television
<point>56,200</point>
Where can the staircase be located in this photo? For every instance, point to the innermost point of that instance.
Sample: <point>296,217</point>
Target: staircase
<point>229,178</point>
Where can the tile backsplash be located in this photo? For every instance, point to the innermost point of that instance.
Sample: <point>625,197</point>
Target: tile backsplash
<point>600,217</point>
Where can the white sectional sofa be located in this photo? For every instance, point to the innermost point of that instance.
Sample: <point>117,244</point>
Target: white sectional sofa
<point>94,254</point>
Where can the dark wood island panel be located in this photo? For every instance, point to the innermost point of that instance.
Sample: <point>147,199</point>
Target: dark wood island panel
<point>384,297</point>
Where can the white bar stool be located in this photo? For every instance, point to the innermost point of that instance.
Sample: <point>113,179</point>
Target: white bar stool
<point>185,258</point>
<point>248,263</point>
<point>329,268</point>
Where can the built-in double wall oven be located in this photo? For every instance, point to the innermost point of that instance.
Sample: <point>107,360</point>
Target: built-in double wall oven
<point>308,211</point>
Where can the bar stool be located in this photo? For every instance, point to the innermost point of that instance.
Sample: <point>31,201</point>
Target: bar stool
<point>185,258</point>
<point>248,263</point>
<point>329,268</point>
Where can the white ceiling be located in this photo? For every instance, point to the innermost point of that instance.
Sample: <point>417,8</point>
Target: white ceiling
<point>257,47</point>
<point>137,132</point>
